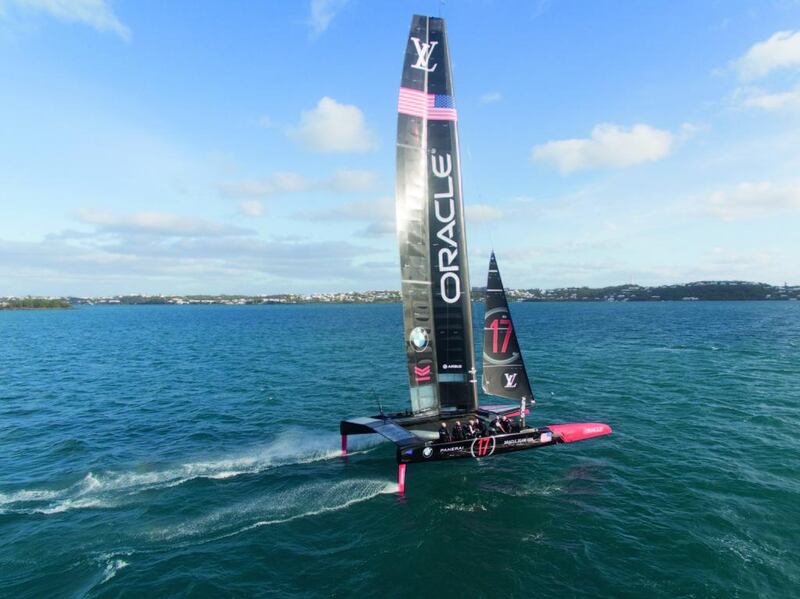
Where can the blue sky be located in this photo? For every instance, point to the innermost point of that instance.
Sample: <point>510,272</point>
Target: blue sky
<point>190,147</point>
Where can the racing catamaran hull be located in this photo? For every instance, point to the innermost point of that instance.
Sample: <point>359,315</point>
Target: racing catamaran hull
<point>484,447</point>
<point>407,434</point>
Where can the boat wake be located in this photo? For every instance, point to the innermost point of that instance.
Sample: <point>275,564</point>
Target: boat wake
<point>82,494</point>
<point>305,501</point>
<point>529,490</point>
<point>460,506</point>
<point>108,489</point>
<point>112,568</point>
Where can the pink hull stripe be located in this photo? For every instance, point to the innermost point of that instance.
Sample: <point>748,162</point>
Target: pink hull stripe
<point>344,446</point>
<point>578,431</point>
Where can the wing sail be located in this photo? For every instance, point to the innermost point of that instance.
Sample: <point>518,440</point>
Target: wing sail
<point>437,310</point>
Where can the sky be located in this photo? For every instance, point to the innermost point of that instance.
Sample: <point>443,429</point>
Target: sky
<point>242,147</point>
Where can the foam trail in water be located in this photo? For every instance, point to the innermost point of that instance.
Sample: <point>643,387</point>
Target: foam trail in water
<point>111,565</point>
<point>112,568</point>
<point>307,500</point>
<point>60,499</point>
<point>29,495</point>
<point>106,489</point>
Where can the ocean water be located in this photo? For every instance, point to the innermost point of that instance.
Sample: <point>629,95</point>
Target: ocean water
<point>192,452</point>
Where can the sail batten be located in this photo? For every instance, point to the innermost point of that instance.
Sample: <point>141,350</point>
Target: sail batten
<point>504,373</point>
<point>430,227</point>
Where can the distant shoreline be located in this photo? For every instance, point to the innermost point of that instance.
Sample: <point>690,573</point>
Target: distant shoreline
<point>697,291</point>
<point>10,308</point>
<point>34,303</point>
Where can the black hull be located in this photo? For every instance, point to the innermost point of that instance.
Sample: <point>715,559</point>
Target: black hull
<point>480,447</point>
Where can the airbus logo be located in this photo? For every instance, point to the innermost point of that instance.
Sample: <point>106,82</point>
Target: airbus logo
<point>424,51</point>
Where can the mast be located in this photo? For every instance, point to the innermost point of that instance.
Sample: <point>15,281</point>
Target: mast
<point>504,373</point>
<point>437,308</point>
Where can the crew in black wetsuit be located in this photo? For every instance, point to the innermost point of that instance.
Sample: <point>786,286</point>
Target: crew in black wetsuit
<point>458,431</point>
<point>514,426</point>
<point>470,432</point>
<point>444,436</point>
<point>480,427</point>
<point>497,425</point>
<point>506,424</point>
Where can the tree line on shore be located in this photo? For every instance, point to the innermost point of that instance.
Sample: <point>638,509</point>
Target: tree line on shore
<point>697,291</point>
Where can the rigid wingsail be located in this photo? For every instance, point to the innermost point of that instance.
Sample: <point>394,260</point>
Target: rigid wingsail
<point>435,288</point>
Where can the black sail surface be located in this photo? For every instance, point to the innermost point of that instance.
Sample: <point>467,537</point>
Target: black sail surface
<point>430,226</point>
<point>504,373</point>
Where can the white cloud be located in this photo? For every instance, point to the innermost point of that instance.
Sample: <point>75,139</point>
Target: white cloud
<point>751,200</point>
<point>129,263</point>
<point>265,122</point>
<point>343,181</point>
<point>491,97</point>
<point>691,130</point>
<point>780,51</point>
<point>333,127</point>
<point>353,180</point>
<point>483,213</point>
<point>94,13</point>
<point>322,13</point>
<point>609,146</point>
<point>162,252</point>
<point>380,228</point>
<point>157,223</point>
<point>275,184</point>
<point>252,208</point>
<point>380,214</point>
<point>754,98</point>
<point>383,209</point>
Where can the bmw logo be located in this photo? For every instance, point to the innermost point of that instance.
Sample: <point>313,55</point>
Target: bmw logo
<point>419,339</point>
<point>427,452</point>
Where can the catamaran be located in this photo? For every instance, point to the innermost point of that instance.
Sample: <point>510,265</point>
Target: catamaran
<point>436,293</point>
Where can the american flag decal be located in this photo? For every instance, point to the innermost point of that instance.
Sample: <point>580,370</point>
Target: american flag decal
<point>434,107</point>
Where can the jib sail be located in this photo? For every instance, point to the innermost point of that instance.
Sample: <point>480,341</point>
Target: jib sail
<point>430,226</point>
<point>504,373</point>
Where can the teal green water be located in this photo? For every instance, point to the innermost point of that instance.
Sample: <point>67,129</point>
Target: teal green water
<point>191,451</point>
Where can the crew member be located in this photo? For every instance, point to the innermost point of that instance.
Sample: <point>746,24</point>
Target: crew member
<point>506,424</point>
<point>480,428</point>
<point>497,424</point>
<point>444,436</point>
<point>470,432</point>
<point>514,426</point>
<point>458,432</point>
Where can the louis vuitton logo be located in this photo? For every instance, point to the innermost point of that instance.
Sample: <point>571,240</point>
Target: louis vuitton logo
<point>424,51</point>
